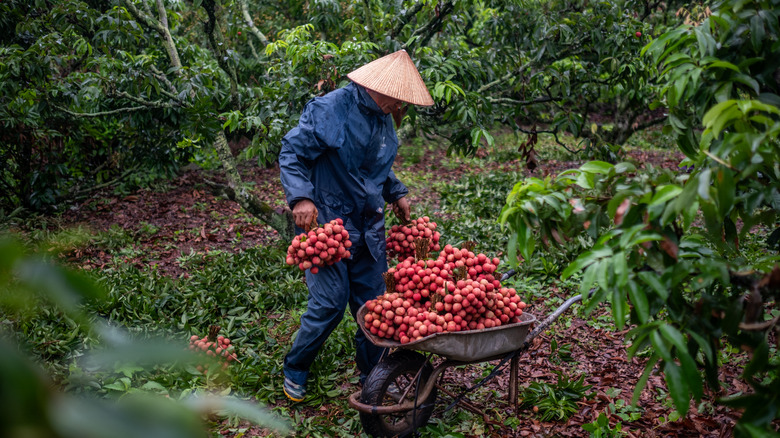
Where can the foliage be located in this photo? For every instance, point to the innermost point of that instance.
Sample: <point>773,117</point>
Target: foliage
<point>546,67</point>
<point>96,91</point>
<point>253,296</point>
<point>37,407</point>
<point>474,203</point>
<point>600,428</point>
<point>55,53</point>
<point>555,402</point>
<point>665,249</point>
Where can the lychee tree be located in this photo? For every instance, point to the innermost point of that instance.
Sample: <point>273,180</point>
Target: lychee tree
<point>664,247</point>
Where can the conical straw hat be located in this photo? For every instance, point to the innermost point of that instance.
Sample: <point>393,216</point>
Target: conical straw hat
<point>396,76</point>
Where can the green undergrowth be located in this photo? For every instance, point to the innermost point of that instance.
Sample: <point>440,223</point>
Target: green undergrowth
<point>257,300</point>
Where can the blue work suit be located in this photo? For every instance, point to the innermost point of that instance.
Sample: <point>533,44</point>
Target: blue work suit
<point>340,157</point>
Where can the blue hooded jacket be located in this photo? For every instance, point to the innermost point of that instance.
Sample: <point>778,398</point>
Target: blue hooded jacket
<point>340,157</point>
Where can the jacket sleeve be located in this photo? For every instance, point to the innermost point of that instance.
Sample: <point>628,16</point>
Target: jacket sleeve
<point>319,129</point>
<point>394,189</point>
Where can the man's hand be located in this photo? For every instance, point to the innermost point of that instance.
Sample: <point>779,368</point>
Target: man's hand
<point>304,214</point>
<point>401,210</point>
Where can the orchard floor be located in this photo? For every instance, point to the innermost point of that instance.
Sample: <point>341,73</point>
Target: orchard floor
<point>182,217</point>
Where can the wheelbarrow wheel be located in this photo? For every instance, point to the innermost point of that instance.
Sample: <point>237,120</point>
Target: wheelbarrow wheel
<point>391,379</point>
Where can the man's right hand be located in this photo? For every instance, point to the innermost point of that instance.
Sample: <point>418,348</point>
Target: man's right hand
<point>304,214</point>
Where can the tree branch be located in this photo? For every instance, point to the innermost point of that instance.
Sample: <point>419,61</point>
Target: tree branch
<point>503,79</point>
<point>170,46</point>
<point>144,102</point>
<point>102,113</point>
<point>173,93</point>
<point>553,132</point>
<point>759,326</point>
<point>146,20</point>
<point>437,22</point>
<point>406,18</point>
<point>251,24</point>
<point>159,26</point>
<point>281,221</point>
<point>652,122</point>
<point>79,194</point>
<point>367,19</point>
<point>217,48</point>
<point>147,8</point>
<point>434,25</point>
<point>510,101</point>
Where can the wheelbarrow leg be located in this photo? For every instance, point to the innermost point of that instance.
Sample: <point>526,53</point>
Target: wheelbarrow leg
<point>513,370</point>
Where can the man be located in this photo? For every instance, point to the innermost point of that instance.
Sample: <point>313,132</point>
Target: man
<point>337,164</point>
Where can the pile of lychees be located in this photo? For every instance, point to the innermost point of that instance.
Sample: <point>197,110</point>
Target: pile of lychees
<point>319,247</point>
<point>213,345</point>
<point>401,239</point>
<point>457,291</point>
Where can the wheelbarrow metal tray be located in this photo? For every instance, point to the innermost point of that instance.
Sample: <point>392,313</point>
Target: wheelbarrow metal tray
<point>465,346</point>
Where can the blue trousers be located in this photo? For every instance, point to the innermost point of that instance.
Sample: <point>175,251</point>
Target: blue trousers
<point>352,282</point>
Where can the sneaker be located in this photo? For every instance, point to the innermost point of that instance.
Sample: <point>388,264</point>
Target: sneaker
<point>294,391</point>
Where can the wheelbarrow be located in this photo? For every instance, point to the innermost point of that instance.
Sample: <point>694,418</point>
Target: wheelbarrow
<point>399,394</point>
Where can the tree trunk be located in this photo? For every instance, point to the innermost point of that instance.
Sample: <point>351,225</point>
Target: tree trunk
<point>251,24</point>
<point>280,220</point>
<point>170,47</point>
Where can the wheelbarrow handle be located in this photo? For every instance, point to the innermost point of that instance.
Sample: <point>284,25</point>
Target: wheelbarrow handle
<point>507,274</point>
<point>553,316</point>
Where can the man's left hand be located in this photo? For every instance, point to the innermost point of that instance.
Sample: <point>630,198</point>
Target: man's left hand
<point>402,211</point>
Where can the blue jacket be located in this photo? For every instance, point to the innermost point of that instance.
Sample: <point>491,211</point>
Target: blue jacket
<point>340,156</point>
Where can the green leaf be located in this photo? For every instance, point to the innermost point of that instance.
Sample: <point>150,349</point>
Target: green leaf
<point>116,386</point>
<point>512,249</point>
<point>67,288</point>
<point>757,32</point>
<point>525,242</point>
<point>476,134</point>
<point>584,180</point>
<point>705,346</point>
<point>651,279</point>
<point>588,278</point>
<point>678,387</point>
<point>599,167</point>
<point>726,191</point>
<point>665,193</point>
<point>751,83</point>
<point>660,347</point>
<point>639,300</point>
<point>715,112</point>
<point>585,259</point>
<point>624,167</point>
<point>620,268</point>
<point>691,374</point>
<point>704,184</point>
<point>674,336</point>
<point>686,140</point>
<point>642,382</point>
<point>719,63</point>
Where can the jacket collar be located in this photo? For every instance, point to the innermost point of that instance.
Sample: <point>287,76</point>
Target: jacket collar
<point>365,102</point>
